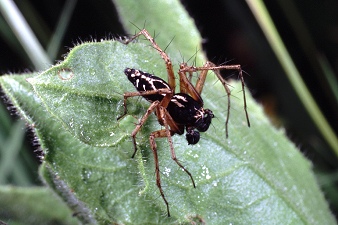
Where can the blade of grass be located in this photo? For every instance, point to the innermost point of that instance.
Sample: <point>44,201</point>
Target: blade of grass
<point>24,34</point>
<point>329,75</point>
<point>319,66</point>
<point>10,150</point>
<point>260,12</point>
<point>61,28</point>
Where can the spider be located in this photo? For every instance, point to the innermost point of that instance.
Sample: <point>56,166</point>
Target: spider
<point>176,112</point>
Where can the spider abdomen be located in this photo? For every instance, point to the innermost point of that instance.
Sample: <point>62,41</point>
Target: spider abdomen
<point>146,82</point>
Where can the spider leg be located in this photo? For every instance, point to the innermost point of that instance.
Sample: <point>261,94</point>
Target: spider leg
<point>201,80</point>
<point>144,118</point>
<point>143,93</point>
<point>165,57</point>
<point>153,135</point>
<point>185,83</point>
<point>160,134</point>
<point>164,116</point>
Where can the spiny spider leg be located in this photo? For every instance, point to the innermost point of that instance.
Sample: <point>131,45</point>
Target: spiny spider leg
<point>143,93</point>
<point>144,118</point>
<point>165,57</point>
<point>160,134</point>
<point>186,86</point>
<point>184,69</point>
<point>153,135</point>
<point>151,108</point>
<point>168,121</point>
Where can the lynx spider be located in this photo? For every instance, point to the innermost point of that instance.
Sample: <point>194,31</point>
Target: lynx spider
<point>175,112</point>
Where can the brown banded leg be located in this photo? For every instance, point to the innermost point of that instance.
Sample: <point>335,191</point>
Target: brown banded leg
<point>153,135</point>
<point>186,85</point>
<point>165,57</point>
<point>216,69</point>
<point>184,69</point>
<point>163,116</point>
<point>168,133</point>
<point>144,118</point>
<point>144,93</point>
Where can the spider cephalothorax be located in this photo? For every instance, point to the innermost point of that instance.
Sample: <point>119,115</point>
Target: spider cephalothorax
<point>176,112</point>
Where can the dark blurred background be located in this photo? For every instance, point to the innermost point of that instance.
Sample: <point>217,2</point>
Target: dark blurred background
<point>308,28</point>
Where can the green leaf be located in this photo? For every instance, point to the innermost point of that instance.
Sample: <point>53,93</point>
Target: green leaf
<point>255,177</point>
<point>33,206</point>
